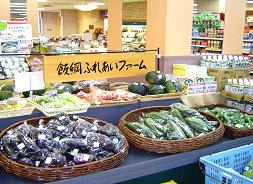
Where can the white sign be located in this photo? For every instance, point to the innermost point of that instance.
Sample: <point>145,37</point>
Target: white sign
<point>28,81</point>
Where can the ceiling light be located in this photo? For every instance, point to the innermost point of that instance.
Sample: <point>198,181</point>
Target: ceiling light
<point>250,2</point>
<point>96,4</point>
<point>195,4</point>
<point>41,9</point>
<point>85,7</point>
<point>41,1</point>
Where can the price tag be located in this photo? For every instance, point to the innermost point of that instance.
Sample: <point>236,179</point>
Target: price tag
<point>21,146</point>
<point>96,144</point>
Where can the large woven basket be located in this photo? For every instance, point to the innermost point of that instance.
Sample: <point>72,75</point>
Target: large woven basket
<point>57,173</point>
<point>230,131</point>
<point>167,146</point>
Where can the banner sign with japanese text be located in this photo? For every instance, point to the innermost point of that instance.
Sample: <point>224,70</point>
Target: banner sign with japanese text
<point>97,66</point>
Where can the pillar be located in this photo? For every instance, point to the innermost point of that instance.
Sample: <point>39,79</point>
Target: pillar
<point>5,10</point>
<point>169,26</point>
<point>32,15</point>
<point>114,25</point>
<point>234,26</point>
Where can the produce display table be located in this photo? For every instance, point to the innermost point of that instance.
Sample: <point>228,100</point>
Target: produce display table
<point>138,163</point>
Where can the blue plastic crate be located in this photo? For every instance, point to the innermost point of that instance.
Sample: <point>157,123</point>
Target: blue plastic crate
<point>217,166</point>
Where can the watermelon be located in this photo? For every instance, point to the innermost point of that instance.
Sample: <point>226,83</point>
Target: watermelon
<point>173,87</point>
<point>155,89</point>
<point>138,88</point>
<point>170,87</point>
<point>155,77</point>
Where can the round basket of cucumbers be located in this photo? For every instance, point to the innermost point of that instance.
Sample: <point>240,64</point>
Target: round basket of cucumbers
<point>170,129</point>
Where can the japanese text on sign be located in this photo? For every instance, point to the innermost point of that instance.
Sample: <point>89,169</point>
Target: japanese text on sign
<point>97,66</point>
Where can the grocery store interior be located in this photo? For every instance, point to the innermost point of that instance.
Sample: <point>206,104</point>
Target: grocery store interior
<point>126,91</point>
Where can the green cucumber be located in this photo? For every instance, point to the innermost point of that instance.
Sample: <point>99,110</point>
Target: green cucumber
<point>197,123</point>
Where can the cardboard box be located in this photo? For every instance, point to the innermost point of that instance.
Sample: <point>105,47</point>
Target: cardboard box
<point>221,75</point>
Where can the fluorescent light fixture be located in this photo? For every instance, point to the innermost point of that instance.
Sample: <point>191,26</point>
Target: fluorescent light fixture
<point>85,7</point>
<point>41,9</point>
<point>195,4</point>
<point>96,4</point>
<point>41,1</point>
<point>250,2</point>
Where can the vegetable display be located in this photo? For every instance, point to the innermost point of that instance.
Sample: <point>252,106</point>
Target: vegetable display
<point>58,101</point>
<point>62,141</point>
<point>232,117</point>
<point>98,96</point>
<point>158,84</point>
<point>12,104</point>
<point>181,122</point>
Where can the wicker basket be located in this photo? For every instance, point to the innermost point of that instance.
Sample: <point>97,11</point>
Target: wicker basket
<point>166,96</point>
<point>232,132</point>
<point>51,174</point>
<point>167,146</point>
<point>17,112</point>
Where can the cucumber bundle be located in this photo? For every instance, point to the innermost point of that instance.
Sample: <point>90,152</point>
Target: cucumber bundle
<point>181,122</point>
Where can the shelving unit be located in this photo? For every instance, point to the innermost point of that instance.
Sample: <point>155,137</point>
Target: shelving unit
<point>214,50</point>
<point>207,38</point>
<point>201,46</point>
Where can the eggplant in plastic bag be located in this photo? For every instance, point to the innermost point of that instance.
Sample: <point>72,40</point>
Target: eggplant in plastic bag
<point>109,130</point>
<point>102,155</point>
<point>28,142</point>
<point>118,142</point>
<point>83,127</point>
<point>98,141</point>
<point>54,160</point>
<point>81,158</point>
<point>26,161</point>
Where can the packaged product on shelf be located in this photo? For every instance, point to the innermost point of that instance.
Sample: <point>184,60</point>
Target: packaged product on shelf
<point>9,66</point>
<point>225,62</point>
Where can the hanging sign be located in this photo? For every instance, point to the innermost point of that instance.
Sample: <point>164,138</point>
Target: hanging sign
<point>15,37</point>
<point>97,66</point>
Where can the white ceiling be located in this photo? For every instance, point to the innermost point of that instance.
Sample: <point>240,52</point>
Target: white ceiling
<point>54,5</point>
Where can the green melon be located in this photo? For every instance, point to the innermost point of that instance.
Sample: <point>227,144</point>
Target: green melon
<point>156,89</point>
<point>138,88</point>
<point>155,77</point>
<point>170,87</point>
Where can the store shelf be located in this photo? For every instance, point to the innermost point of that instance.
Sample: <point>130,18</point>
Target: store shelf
<point>206,38</point>
<point>214,50</point>
<point>140,163</point>
<point>248,41</point>
<point>201,46</point>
